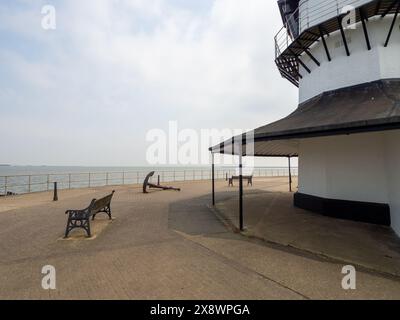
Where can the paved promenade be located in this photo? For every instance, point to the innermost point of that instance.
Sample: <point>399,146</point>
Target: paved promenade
<point>161,245</point>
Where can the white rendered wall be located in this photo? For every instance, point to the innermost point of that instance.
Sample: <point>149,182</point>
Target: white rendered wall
<point>359,167</point>
<point>360,67</point>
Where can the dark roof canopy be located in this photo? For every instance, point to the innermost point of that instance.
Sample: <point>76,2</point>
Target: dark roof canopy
<point>373,106</point>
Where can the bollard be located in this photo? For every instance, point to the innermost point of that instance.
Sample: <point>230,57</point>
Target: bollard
<point>55,196</point>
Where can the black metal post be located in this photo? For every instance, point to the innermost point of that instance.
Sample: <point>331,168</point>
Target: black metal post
<point>299,61</point>
<point>392,25</point>
<point>312,57</point>
<point>340,21</point>
<point>158,180</point>
<point>55,195</point>
<point>363,19</point>
<point>213,179</point>
<point>240,191</point>
<point>290,176</point>
<point>328,55</point>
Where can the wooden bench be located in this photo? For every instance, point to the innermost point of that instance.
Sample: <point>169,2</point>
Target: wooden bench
<point>81,218</point>
<point>248,178</point>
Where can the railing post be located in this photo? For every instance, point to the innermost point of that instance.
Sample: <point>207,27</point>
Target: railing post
<point>55,195</point>
<point>48,182</point>
<point>106,178</point>
<point>241,190</point>
<point>5,185</point>
<point>213,179</point>
<point>89,179</point>
<point>137,177</point>
<point>123,178</point>
<point>69,181</point>
<point>290,175</point>
<point>29,184</point>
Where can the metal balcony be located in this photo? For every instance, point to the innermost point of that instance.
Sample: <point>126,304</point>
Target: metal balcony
<point>307,26</point>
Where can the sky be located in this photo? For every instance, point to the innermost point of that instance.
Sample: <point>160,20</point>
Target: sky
<point>89,92</point>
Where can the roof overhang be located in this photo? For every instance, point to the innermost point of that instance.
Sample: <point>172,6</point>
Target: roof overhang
<point>373,106</point>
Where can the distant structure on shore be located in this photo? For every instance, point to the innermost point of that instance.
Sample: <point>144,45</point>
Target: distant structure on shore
<point>345,58</point>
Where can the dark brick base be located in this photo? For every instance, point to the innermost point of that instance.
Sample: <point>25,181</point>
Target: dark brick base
<point>376,213</point>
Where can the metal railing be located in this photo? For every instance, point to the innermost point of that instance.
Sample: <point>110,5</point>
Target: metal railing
<point>306,17</point>
<point>21,184</point>
<point>285,37</point>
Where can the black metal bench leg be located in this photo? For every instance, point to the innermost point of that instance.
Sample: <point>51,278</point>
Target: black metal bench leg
<point>68,228</point>
<point>109,212</point>
<point>87,228</point>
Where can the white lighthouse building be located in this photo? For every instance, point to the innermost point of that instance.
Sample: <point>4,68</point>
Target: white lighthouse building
<point>344,56</point>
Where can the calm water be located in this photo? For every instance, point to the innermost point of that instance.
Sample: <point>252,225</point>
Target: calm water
<point>29,170</point>
<point>25,179</point>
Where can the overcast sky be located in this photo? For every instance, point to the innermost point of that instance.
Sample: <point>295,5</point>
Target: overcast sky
<point>88,92</point>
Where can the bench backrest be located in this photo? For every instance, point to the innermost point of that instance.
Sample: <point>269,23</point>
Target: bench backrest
<point>101,203</point>
<point>244,177</point>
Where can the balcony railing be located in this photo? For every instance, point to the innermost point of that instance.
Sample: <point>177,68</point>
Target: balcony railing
<point>305,17</point>
<point>285,35</point>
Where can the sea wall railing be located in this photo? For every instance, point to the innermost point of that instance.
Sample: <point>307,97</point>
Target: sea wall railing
<point>21,184</point>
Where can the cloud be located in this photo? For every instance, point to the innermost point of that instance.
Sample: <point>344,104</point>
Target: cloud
<point>115,69</point>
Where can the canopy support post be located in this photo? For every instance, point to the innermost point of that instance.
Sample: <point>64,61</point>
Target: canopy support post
<point>290,175</point>
<point>241,191</point>
<point>213,179</point>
